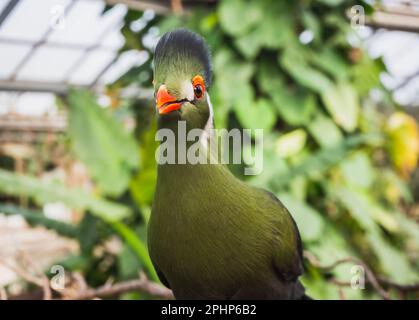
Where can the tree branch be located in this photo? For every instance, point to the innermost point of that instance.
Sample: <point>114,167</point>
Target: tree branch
<point>377,282</point>
<point>142,284</point>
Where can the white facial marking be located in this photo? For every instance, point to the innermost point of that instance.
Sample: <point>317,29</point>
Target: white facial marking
<point>187,90</point>
<point>206,134</point>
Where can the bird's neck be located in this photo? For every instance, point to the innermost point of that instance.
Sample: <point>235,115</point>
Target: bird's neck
<point>184,170</point>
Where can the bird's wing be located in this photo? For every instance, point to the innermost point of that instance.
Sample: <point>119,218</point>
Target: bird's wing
<point>160,274</point>
<point>163,279</point>
<point>288,266</point>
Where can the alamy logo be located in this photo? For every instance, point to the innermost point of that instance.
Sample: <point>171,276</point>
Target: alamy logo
<point>57,282</point>
<point>357,16</point>
<point>358,278</point>
<point>57,21</point>
<point>198,146</point>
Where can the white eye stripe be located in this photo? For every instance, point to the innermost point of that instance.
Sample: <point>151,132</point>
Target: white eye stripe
<point>187,90</point>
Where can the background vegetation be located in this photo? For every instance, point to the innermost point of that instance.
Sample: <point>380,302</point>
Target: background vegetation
<point>338,151</point>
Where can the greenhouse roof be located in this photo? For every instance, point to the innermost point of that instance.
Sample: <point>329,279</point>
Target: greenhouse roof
<point>50,44</point>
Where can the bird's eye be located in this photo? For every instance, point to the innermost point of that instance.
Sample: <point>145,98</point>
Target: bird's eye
<point>198,86</point>
<point>198,91</point>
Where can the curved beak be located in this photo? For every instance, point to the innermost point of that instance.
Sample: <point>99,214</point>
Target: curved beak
<point>165,102</point>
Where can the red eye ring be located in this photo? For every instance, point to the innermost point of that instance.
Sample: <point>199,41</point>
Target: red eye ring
<point>199,86</point>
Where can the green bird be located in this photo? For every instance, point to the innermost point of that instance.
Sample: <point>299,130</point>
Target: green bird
<point>210,235</point>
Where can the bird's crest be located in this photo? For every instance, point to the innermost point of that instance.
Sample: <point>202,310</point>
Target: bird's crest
<point>180,50</point>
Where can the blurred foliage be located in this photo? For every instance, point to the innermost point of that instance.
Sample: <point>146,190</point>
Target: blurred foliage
<point>94,134</point>
<point>44,192</point>
<point>338,151</point>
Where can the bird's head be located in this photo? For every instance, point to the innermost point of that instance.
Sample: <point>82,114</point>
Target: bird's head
<point>182,76</point>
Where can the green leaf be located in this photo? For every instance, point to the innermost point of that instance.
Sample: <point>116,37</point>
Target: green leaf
<point>249,44</point>
<point>324,131</point>
<point>236,17</point>
<point>357,170</point>
<point>394,262</point>
<point>317,163</point>
<point>101,143</point>
<point>138,246</point>
<point>311,22</point>
<point>341,101</point>
<point>271,165</point>
<point>255,114</point>
<point>44,192</point>
<point>294,63</point>
<point>89,235</point>
<point>357,204</point>
<point>332,3</point>
<point>37,218</point>
<point>143,183</point>
<point>309,221</point>
<point>230,68</point>
<point>276,28</point>
<point>366,74</point>
<point>365,211</point>
<point>293,107</point>
<point>291,143</point>
<point>330,61</point>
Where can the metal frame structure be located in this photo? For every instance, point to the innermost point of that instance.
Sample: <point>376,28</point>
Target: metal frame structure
<point>11,84</point>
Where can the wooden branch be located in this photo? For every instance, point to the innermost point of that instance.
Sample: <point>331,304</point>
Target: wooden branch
<point>377,282</point>
<point>142,284</point>
<point>39,279</point>
<point>177,6</point>
<point>394,21</point>
<point>3,293</point>
<point>401,287</point>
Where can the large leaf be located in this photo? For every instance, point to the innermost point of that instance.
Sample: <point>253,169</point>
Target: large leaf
<point>232,83</point>
<point>309,221</point>
<point>311,22</point>
<point>295,108</point>
<point>255,114</point>
<point>291,143</point>
<point>101,143</point>
<point>316,164</point>
<point>296,65</point>
<point>249,44</point>
<point>357,170</point>
<point>366,212</point>
<point>44,192</point>
<point>138,246</point>
<point>143,183</point>
<point>237,17</point>
<point>331,62</point>
<point>341,101</point>
<point>274,31</point>
<point>366,74</point>
<point>325,131</point>
<point>37,218</point>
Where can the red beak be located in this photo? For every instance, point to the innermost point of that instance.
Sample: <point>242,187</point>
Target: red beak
<point>165,102</point>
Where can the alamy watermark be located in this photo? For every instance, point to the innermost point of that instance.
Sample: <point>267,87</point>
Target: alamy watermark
<point>213,146</point>
<point>358,278</point>
<point>57,282</point>
<point>357,16</point>
<point>57,21</point>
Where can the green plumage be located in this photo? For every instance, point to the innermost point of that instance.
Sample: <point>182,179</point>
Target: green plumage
<point>212,236</point>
